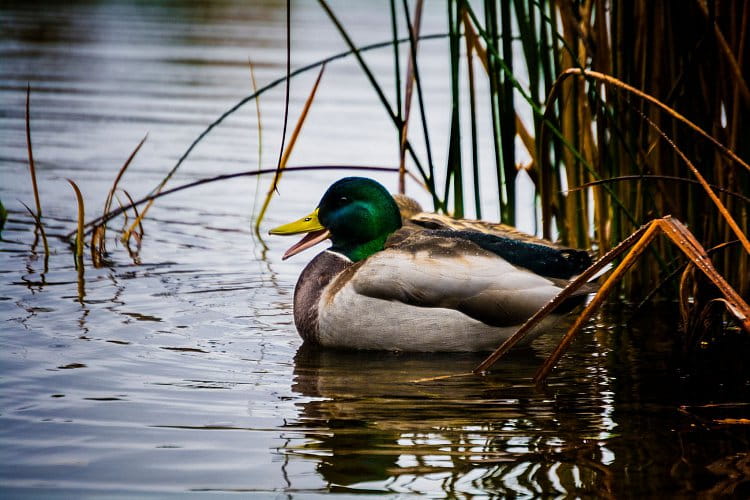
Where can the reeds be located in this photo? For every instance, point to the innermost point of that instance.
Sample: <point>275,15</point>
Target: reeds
<point>626,97</point>
<point>639,110</point>
<point>635,244</point>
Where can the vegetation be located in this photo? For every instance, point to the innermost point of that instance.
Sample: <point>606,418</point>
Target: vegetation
<point>639,111</point>
<point>3,218</point>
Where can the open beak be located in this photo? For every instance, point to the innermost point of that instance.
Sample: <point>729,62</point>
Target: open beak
<point>308,224</point>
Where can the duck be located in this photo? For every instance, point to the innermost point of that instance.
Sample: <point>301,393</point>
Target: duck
<point>396,278</point>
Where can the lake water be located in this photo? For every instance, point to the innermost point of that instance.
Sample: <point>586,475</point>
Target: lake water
<point>178,371</point>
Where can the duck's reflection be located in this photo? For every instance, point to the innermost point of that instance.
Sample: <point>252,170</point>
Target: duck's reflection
<point>367,423</point>
<point>366,402</point>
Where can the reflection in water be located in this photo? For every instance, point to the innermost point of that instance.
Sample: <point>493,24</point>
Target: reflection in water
<point>371,427</point>
<point>609,421</point>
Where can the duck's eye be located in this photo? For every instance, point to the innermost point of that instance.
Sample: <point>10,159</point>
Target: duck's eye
<point>308,219</point>
<point>343,200</point>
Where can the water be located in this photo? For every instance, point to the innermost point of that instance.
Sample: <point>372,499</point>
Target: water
<point>179,370</point>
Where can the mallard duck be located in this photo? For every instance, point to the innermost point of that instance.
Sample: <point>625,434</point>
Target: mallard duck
<point>401,280</point>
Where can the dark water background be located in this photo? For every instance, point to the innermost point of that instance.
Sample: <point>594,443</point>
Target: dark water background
<point>180,371</point>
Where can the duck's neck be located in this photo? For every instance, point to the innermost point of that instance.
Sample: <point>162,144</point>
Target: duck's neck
<point>360,251</point>
<point>314,278</point>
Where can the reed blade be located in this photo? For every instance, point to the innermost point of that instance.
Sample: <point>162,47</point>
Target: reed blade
<point>288,151</point>
<point>260,143</point>
<point>99,233</point>
<point>79,232</point>
<point>286,93</point>
<point>545,311</point>
<point>32,170</point>
<point>411,76</point>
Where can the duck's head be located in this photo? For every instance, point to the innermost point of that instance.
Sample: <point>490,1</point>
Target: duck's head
<point>356,213</point>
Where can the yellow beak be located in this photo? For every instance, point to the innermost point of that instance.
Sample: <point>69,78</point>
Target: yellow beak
<point>308,224</point>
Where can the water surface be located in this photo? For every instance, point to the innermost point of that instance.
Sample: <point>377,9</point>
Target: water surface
<point>178,370</point>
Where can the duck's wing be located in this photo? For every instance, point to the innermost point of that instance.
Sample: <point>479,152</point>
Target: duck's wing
<point>536,254</point>
<point>431,269</point>
<point>429,220</point>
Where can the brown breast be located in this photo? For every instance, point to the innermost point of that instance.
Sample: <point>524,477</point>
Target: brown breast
<point>314,278</point>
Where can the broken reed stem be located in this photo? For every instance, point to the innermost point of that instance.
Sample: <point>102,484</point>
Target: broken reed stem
<point>698,256</point>
<point>558,299</point>
<point>685,241</point>
<point>637,249</point>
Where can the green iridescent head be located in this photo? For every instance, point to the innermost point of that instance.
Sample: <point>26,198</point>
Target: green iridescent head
<point>356,213</point>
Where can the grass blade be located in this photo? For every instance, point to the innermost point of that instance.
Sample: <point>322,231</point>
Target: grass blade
<point>508,119</point>
<point>32,170</point>
<point>414,38</point>
<point>32,166</point>
<point>396,58</point>
<point>471,41</point>
<point>288,151</point>
<point>79,231</point>
<point>286,94</point>
<point>408,92</point>
<point>260,137</point>
<point>99,234</point>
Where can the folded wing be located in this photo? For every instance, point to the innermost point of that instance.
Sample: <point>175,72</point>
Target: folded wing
<point>448,270</point>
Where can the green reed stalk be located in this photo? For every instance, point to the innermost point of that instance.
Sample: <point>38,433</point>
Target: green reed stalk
<point>473,118</point>
<point>508,118</point>
<point>490,39</point>
<point>454,167</point>
<point>396,60</point>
